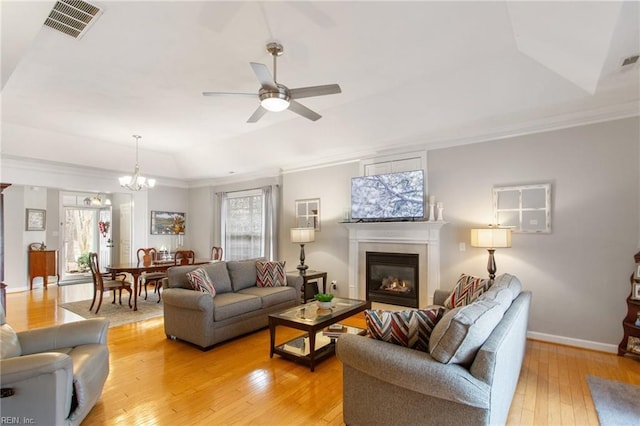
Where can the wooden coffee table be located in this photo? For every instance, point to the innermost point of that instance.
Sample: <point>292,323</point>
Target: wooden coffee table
<point>313,346</point>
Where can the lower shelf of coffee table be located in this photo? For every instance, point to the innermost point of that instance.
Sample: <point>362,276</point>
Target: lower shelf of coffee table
<point>298,349</point>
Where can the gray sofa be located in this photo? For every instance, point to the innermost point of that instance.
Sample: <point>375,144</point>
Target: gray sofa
<point>388,384</point>
<point>53,375</point>
<point>239,306</point>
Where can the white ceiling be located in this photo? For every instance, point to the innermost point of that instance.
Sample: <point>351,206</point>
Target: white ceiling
<point>425,74</point>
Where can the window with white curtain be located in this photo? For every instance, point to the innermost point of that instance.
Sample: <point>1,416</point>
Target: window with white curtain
<point>248,223</point>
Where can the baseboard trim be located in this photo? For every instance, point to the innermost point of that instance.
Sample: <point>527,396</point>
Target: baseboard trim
<point>570,341</point>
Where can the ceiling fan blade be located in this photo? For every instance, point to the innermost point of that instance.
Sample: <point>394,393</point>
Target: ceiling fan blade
<point>298,108</point>
<point>257,114</point>
<point>264,76</point>
<point>227,94</point>
<point>306,92</point>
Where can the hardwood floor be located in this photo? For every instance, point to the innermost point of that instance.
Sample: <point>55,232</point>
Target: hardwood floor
<point>154,380</point>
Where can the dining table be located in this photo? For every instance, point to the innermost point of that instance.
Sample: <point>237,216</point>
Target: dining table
<point>137,269</point>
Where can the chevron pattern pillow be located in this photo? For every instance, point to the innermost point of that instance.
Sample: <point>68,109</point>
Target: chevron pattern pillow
<point>270,274</point>
<point>200,281</point>
<point>467,290</point>
<point>411,329</point>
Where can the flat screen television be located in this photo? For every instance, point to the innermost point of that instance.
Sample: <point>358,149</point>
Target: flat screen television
<point>393,196</point>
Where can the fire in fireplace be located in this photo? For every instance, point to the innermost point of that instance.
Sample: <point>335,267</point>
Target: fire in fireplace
<point>392,278</point>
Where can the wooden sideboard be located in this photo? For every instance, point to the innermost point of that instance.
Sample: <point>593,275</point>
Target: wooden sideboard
<point>43,263</point>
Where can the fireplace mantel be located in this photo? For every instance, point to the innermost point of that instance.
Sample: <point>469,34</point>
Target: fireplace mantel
<point>409,232</point>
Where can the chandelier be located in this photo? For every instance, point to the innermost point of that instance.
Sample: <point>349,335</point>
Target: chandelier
<point>136,182</point>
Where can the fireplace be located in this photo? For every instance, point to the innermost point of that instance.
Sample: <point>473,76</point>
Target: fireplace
<point>392,278</point>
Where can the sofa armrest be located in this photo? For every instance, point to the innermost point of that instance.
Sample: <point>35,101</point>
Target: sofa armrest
<point>64,336</point>
<point>187,299</point>
<point>440,296</point>
<point>412,369</point>
<point>295,280</point>
<point>42,386</point>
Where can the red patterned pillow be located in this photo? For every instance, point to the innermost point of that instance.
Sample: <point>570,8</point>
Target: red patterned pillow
<point>411,329</point>
<point>467,290</point>
<point>270,274</point>
<point>200,281</point>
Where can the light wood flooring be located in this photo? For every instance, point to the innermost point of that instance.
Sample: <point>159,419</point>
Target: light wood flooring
<point>156,381</point>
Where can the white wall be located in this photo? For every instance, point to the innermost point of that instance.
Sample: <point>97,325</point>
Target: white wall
<point>330,250</point>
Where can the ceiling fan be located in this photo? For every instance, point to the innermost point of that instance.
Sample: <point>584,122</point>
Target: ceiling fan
<point>277,97</point>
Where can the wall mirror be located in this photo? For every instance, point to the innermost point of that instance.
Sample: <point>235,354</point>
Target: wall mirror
<point>308,213</point>
<point>525,208</point>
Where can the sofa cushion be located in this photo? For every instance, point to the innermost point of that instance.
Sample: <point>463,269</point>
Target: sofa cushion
<point>272,296</point>
<point>410,328</point>
<point>509,281</point>
<point>466,291</point>
<point>500,295</point>
<point>270,274</point>
<point>229,305</point>
<point>457,337</point>
<point>9,343</point>
<point>219,275</point>
<point>243,273</point>
<point>200,281</point>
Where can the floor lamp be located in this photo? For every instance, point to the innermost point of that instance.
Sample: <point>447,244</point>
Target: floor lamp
<point>302,236</point>
<point>491,238</point>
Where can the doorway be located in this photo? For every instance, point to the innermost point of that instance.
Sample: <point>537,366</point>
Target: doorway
<point>85,230</point>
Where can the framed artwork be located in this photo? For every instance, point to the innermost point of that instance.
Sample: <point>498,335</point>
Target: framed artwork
<point>308,213</point>
<point>635,294</point>
<point>36,219</point>
<point>525,209</point>
<point>168,223</point>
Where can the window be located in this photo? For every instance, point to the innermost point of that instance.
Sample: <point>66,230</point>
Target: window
<point>248,221</point>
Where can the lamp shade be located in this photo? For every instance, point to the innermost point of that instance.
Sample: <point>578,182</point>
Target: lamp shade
<point>491,237</point>
<point>302,235</point>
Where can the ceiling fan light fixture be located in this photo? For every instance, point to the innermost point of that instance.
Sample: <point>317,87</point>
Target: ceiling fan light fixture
<point>274,101</point>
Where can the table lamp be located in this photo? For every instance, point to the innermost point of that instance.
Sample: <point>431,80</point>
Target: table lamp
<point>302,236</point>
<point>491,238</point>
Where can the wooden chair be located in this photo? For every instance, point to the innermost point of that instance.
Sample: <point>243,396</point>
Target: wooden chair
<point>184,257</point>
<point>146,256</point>
<point>100,284</point>
<point>216,253</point>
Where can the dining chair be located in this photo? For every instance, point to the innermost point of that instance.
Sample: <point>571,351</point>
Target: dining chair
<point>100,284</point>
<point>216,253</point>
<point>184,257</point>
<point>146,256</point>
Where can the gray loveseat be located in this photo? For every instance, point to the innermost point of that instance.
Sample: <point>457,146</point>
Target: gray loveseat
<point>239,306</point>
<point>388,384</point>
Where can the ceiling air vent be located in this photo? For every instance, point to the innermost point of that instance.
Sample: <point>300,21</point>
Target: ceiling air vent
<point>630,60</point>
<point>72,17</point>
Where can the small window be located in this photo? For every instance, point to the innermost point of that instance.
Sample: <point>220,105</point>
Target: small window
<point>523,208</point>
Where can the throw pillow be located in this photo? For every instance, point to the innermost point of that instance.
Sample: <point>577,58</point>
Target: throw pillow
<point>411,328</point>
<point>467,290</point>
<point>270,274</point>
<point>508,281</point>
<point>462,331</point>
<point>200,281</point>
<point>9,343</point>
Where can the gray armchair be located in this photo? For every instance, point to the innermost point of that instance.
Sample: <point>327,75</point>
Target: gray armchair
<point>56,374</point>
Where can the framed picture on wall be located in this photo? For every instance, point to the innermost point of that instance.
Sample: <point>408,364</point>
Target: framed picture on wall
<point>168,223</point>
<point>35,219</point>
<point>635,294</point>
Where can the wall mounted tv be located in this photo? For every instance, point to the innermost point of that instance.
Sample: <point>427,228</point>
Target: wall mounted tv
<point>393,196</point>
